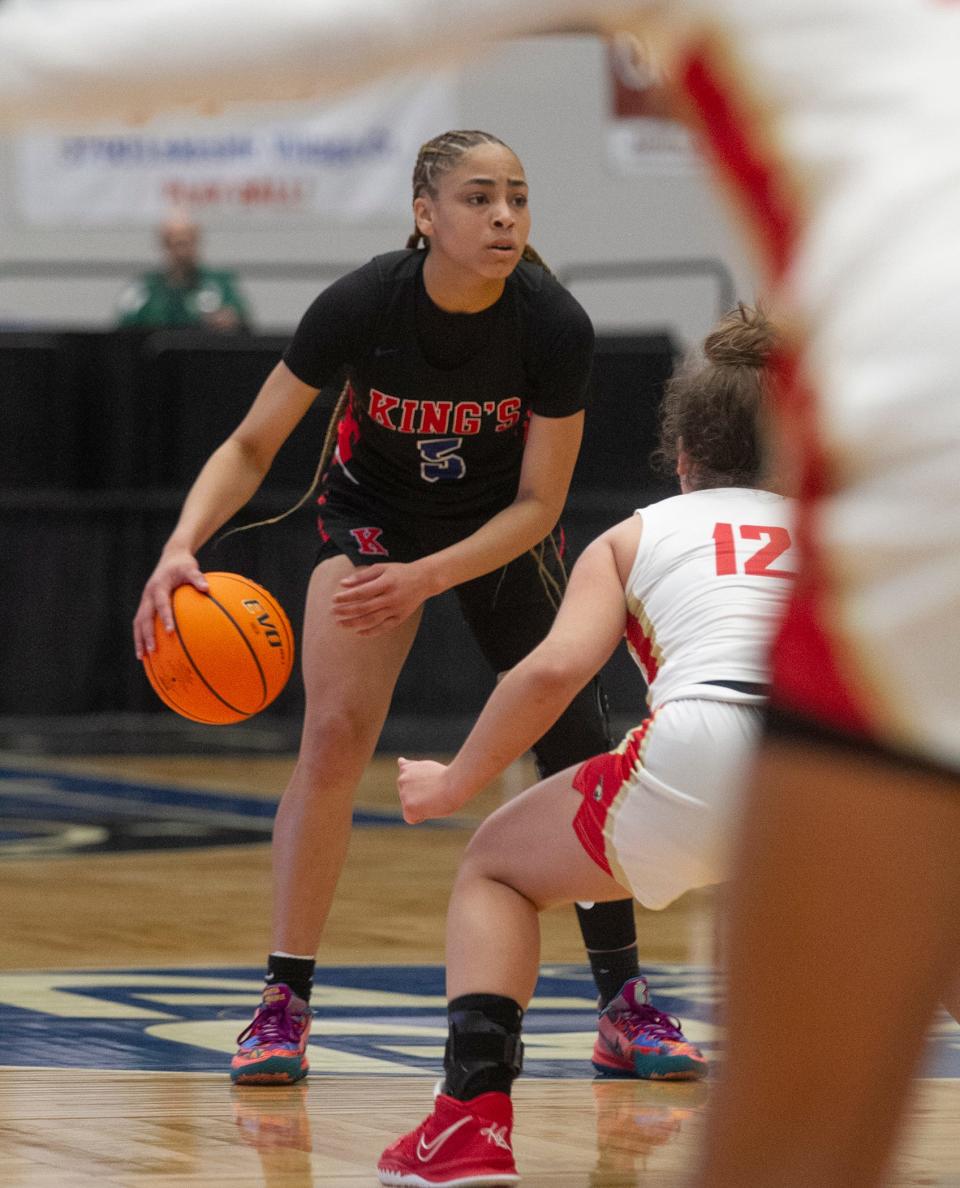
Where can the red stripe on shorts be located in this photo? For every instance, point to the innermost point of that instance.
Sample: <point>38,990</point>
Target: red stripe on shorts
<point>599,781</point>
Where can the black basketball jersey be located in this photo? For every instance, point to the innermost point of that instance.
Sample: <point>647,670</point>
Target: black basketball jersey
<point>439,403</point>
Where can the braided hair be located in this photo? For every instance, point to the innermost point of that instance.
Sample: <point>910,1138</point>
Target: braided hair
<point>437,157</point>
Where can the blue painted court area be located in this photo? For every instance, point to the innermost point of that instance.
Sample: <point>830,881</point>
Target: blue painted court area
<point>45,812</point>
<point>368,1019</point>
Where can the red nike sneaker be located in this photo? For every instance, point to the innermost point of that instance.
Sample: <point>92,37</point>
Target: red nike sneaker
<point>463,1144</point>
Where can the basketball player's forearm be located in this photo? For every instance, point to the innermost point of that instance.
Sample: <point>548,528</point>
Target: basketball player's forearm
<point>524,705</point>
<point>229,478</point>
<point>505,536</point>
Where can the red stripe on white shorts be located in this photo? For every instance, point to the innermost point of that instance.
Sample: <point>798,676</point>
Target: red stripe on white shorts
<point>600,781</point>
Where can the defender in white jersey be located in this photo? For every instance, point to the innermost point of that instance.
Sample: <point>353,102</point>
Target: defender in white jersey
<point>706,590</point>
<point>695,584</point>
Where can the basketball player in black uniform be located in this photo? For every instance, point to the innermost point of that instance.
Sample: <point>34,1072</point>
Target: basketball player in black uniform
<point>451,453</point>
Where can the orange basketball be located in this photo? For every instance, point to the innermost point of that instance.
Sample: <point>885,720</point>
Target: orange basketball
<point>229,655</point>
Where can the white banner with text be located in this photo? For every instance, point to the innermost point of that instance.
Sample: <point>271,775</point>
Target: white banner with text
<point>349,162</point>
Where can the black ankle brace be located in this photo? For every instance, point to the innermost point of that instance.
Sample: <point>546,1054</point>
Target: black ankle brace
<point>484,1052</point>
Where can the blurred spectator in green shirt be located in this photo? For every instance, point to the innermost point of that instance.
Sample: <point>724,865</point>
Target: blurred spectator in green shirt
<point>184,292</point>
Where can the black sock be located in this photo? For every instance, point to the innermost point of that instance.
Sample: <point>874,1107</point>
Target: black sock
<point>484,1053</point>
<point>610,934</point>
<point>295,972</point>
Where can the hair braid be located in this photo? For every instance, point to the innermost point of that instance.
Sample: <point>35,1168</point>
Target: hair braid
<point>326,452</point>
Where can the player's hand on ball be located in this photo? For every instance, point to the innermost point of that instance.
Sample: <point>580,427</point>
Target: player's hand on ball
<point>376,598</point>
<point>177,567</point>
<point>230,653</point>
<point>422,785</point>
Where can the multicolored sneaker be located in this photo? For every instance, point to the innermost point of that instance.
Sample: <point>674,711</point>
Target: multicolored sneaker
<point>273,1049</point>
<point>634,1039</point>
<point>463,1144</point>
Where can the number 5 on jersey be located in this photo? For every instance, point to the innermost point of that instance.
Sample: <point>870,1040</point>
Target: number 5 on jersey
<point>760,563</point>
<point>440,460</point>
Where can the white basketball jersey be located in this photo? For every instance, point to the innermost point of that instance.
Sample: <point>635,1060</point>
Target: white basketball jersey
<point>707,587</point>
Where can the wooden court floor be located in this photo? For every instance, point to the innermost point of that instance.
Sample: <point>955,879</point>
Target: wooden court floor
<point>75,922</point>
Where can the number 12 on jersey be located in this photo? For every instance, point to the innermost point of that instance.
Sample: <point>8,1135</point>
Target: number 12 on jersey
<point>776,541</point>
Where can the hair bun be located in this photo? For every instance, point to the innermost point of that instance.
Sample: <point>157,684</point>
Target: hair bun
<point>744,338</point>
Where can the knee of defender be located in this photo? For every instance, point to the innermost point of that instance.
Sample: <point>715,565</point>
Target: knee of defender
<point>486,860</point>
